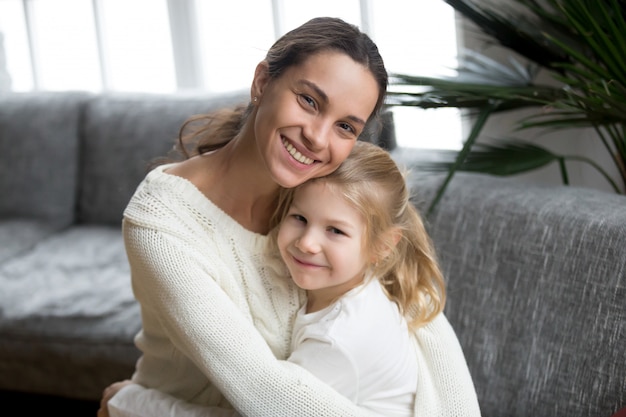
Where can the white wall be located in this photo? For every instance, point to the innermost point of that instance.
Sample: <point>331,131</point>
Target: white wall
<point>5,79</point>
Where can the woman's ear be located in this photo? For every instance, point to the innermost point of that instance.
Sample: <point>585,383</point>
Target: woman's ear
<point>260,81</point>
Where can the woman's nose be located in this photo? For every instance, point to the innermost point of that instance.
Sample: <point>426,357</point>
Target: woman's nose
<point>317,133</point>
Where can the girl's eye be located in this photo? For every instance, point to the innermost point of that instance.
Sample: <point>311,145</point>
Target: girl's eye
<point>335,231</point>
<point>299,218</point>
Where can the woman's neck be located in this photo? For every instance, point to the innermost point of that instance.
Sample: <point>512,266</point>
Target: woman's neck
<point>236,180</point>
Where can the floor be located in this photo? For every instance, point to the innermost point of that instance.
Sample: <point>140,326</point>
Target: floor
<point>37,405</point>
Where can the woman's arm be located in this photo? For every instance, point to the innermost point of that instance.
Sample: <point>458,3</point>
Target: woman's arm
<point>206,326</point>
<point>133,400</point>
<point>445,386</point>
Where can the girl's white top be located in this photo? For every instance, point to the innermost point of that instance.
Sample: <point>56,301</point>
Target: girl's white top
<point>217,322</point>
<point>362,347</point>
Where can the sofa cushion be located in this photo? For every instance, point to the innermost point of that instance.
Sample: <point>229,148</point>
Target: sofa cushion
<point>537,286</point>
<point>39,158</point>
<point>123,134</point>
<point>68,315</point>
<point>20,235</point>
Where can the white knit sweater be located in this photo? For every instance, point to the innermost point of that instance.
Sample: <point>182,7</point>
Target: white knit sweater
<point>217,320</point>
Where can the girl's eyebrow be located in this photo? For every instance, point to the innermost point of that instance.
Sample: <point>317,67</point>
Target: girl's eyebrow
<point>324,98</point>
<point>341,224</point>
<point>335,221</point>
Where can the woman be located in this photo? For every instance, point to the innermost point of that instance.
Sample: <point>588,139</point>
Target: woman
<point>214,318</point>
<point>217,319</point>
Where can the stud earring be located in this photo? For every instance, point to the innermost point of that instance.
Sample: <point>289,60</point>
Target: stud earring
<point>255,99</point>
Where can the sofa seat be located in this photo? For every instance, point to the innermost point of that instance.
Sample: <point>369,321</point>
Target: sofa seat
<point>66,303</point>
<point>69,163</point>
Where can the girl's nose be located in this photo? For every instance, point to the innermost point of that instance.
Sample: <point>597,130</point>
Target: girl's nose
<point>307,242</point>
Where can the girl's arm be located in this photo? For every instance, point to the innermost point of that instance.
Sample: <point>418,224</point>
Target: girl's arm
<point>207,326</point>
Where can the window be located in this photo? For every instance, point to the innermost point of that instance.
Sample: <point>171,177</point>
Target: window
<point>164,46</point>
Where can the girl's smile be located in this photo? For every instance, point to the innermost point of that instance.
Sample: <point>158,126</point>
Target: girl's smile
<point>322,243</point>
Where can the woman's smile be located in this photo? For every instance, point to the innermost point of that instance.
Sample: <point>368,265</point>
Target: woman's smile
<point>297,155</point>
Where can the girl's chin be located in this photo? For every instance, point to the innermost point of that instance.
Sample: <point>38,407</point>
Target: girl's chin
<point>304,284</point>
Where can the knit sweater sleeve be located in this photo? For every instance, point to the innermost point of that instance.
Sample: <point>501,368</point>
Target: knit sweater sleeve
<point>445,386</point>
<point>200,319</point>
<point>136,401</point>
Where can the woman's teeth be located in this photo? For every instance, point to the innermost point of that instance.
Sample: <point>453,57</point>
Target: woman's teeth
<point>297,155</point>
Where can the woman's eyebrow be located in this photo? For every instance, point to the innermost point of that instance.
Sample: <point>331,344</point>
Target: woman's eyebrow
<point>357,120</point>
<point>324,98</point>
<point>316,88</point>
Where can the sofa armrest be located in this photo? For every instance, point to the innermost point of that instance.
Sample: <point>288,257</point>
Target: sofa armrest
<point>537,291</point>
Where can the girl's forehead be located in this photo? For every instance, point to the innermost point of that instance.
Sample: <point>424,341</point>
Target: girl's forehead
<point>319,186</point>
<point>322,192</point>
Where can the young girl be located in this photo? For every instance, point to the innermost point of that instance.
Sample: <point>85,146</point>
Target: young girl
<point>372,325</point>
<point>356,244</point>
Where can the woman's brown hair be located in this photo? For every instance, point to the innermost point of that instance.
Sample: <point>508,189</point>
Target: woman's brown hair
<point>205,133</point>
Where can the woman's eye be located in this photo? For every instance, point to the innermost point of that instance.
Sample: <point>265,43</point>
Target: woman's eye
<point>308,100</point>
<point>347,127</point>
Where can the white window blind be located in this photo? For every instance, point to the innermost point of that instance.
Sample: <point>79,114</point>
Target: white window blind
<point>164,46</point>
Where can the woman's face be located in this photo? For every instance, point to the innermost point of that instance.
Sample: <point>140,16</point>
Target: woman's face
<point>308,119</point>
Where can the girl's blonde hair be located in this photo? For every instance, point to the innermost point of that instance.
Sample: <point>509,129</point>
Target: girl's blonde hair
<point>372,182</point>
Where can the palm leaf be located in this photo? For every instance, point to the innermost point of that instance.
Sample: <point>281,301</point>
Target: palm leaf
<point>502,159</point>
<point>582,44</point>
<point>512,30</point>
<point>479,81</point>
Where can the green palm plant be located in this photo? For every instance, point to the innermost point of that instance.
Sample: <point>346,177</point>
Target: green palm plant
<point>581,44</point>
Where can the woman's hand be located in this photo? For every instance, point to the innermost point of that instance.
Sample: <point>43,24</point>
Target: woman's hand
<point>108,393</point>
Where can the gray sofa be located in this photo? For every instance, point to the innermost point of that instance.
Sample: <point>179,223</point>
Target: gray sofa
<point>536,275</point>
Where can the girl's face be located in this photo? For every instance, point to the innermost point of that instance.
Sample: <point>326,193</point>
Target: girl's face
<point>321,241</point>
<point>308,119</point>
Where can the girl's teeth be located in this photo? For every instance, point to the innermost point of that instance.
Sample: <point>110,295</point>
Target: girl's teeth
<point>297,155</point>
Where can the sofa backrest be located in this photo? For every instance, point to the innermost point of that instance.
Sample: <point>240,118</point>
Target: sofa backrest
<point>77,157</point>
<point>536,292</point>
<point>39,155</point>
<point>121,136</point>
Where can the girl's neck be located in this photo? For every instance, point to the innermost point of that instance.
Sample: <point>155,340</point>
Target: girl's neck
<point>314,304</point>
<point>321,298</point>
